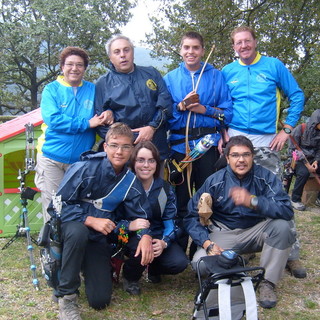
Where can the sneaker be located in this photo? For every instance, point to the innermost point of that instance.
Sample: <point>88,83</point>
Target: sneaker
<point>267,295</point>
<point>132,287</point>
<point>68,307</point>
<point>296,269</point>
<point>154,278</point>
<point>317,203</point>
<point>298,206</point>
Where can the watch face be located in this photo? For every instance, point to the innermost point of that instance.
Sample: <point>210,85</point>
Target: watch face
<point>287,130</point>
<point>254,201</point>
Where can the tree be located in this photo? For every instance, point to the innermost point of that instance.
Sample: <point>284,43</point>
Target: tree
<point>287,29</point>
<point>33,32</point>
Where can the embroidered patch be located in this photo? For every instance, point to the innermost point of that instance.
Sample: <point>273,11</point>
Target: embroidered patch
<point>151,85</point>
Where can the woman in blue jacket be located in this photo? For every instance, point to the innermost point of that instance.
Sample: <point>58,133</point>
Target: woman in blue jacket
<point>169,256</point>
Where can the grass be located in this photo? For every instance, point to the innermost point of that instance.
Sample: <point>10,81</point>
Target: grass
<point>172,299</point>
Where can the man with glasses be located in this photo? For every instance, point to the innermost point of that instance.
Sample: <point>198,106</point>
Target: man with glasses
<point>251,213</point>
<point>101,199</point>
<point>256,84</point>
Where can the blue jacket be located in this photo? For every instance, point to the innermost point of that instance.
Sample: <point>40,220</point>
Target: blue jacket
<point>163,205</point>
<point>273,201</point>
<point>66,115</point>
<point>93,178</point>
<point>213,93</point>
<point>139,99</point>
<point>255,91</point>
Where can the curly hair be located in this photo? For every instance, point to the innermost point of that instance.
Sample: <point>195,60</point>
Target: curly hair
<point>76,51</point>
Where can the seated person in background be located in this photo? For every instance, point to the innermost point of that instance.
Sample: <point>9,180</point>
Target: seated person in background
<point>308,140</point>
<point>251,213</point>
<point>169,257</point>
<point>92,190</point>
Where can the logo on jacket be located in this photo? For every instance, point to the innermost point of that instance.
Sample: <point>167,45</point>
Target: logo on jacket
<point>151,85</point>
<point>261,77</point>
<point>234,81</point>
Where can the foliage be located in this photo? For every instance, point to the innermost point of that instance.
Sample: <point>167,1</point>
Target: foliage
<point>33,32</point>
<point>287,29</point>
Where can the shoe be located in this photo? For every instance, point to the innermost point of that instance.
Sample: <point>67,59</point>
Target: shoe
<point>68,307</point>
<point>132,287</point>
<point>296,269</point>
<point>298,206</point>
<point>154,278</point>
<point>267,295</point>
<point>317,203</point>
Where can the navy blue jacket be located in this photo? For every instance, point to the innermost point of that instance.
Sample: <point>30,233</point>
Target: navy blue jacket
<point>273,201</point>
<point>139,99</point>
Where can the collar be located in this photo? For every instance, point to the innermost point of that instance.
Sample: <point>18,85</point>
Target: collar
<point>60,79</point>
<point>256,59</point>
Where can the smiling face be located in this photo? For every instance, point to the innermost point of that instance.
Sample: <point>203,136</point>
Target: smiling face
<point>145,165</point>
<point>192,53</point>
<point>118,150</point>
<point>245,46</point>
<point>240,159</point>
<point>121,55</point>
<point>73,70</point>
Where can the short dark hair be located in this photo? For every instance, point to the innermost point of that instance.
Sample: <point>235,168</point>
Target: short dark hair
<point>238,141</point>
<point>119,129</point>
<point>192,35</point>
<point>242,29</point>
<point>70,51</point>
<point>155,154</point>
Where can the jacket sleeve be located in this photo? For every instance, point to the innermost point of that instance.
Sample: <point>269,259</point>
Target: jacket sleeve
<point>55,116</point>
<point>163,104</point>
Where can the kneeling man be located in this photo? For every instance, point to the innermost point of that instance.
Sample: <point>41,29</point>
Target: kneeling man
<point>251,213</point>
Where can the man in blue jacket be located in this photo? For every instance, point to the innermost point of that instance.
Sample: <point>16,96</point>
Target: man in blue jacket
<point>251,213</point>
<point>256,83</point>
<point>100,196</point>
<point>199,104</point>
<point>134,95</point>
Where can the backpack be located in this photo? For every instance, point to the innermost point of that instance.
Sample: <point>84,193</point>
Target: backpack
<point>227,294</point>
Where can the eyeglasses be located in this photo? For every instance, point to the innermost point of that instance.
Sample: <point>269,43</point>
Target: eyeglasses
<point>244,42</point>
<point>77,65</point>
<point>236,156</point>
<point>116,147</point>
<point>143,161</point>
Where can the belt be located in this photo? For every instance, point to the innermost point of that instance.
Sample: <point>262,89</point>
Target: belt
<point>194,134</point>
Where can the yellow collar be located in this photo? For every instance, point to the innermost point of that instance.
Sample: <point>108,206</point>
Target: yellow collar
<point>256,59</point>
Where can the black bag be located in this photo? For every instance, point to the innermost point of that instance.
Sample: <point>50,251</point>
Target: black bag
<point>172,172</point>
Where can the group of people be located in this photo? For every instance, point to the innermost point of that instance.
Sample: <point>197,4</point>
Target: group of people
<point>119,194</point>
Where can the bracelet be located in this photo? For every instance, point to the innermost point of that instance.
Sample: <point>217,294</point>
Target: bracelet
<point>210,247</point>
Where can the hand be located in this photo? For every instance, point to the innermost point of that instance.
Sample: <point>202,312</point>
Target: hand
<point>216,250</point>
<point>105,226</point>
<point>310,167</point>
<point>95,121</point>
<point>191,99</point>
<point>240,196</point>
<point>279,141</point>
<point>107,117</point>
<point>145,134</point>
<point>138,224</point>
<point>146,250</point>
<point>158,247</point>
<point>315,165</point>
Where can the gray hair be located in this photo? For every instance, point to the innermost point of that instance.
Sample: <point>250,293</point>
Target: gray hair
<point>114,38</point>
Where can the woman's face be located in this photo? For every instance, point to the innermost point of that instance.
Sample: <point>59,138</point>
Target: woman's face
<point>73,70</point>
<point>145,165</point>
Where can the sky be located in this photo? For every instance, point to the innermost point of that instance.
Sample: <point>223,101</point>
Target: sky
<point>139,24</point>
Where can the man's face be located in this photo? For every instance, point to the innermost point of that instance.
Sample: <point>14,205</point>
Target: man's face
<point>240,160</point>
<point>192,53</point>
<point>121,55</point>
<point>73,70</point>
<point>245,46</point>
<point>118,150</point>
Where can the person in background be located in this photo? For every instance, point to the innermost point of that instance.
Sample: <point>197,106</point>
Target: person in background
<point>67,108</point>
<point>169,257</point>
<point>308,140</point>
<point>197,112</point>
<point>251,213</point>
<point>256,83</point>
<point>93,193</point>
<point>134,95</point>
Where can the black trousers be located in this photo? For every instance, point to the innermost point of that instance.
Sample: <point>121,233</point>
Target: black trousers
<point>79,253</point>
<point>201,170</point>
<point>302,176</point>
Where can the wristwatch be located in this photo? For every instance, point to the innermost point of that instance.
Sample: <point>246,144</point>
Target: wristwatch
<point>253,202</point>
<point>210,247</point>
<point>287,130</point>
